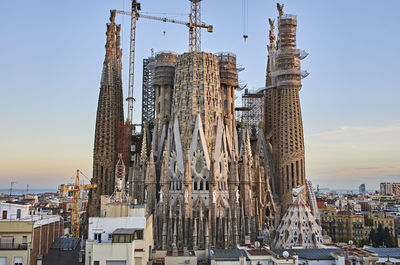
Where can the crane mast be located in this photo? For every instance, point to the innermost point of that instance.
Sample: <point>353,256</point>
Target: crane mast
<point>194,26</point>
<point>130,99</point>
<point>194,30</point>
<point>76,189</point>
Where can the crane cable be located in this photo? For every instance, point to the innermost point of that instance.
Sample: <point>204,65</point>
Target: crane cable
<point>245,19</point>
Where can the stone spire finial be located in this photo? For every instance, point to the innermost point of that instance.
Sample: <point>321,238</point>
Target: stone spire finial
<point>152,153</point>
<point>143,151</point>
<point>165,171</point>
<point>271,31</point>
<point>248,145</point>
<point>110,35</point>
<point>188,171</point>
<point>280,8</point>
<point>118,42</point>
<point>113,12</point>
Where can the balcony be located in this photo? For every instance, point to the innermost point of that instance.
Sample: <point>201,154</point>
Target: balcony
<point>13,246</point>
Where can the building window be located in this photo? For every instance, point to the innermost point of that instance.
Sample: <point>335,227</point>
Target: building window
<point>138,234</point>
<point>3,261</point>
<point>165,105</point>
<point>96,262</point>
<point>97,236</point>
<point>18,261</point>
<point>18,213</point>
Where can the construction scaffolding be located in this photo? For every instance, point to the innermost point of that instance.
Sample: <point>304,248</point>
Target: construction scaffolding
<point>252,111</point>
<point>148,91</point>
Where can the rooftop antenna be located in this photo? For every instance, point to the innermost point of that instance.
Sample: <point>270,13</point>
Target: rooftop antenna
<point>11,187</point>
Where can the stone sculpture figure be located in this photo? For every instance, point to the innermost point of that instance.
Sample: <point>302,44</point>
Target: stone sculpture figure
<point>237,196</point>
<point>296,192</point>
<point>161,195</point>
<point>266,235</point>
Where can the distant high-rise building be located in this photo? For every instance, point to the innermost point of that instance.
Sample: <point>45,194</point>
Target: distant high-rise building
<point>386,188</point>
<point>110,115</point>
<point>361,189</point>
<point>390,188</point>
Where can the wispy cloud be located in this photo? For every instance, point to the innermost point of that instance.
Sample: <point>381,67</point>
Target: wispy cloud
<point>369,170</point>
<point>351,130</point>
<point>350,154</point>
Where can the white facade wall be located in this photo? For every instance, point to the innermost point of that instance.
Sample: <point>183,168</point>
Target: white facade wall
<point>106,252</point>
<point>12,210</point>
<point>233,262</point>
<point>134,253</point>
<point>106,225</point>
<point>320,262</point>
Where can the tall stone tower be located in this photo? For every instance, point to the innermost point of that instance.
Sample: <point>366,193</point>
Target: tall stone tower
<point>229,82</point>
<point>283,121</point>
<point>109,116</point>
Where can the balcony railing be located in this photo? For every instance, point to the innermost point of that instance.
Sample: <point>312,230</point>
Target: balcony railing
<point>13,246</point>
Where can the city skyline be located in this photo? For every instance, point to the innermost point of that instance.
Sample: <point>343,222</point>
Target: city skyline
<point>350,120</point>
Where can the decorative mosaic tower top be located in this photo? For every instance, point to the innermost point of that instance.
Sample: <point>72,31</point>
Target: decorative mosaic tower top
<point>298,228</point>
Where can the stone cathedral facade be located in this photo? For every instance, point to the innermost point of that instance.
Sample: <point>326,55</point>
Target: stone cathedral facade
<point>199,173</point>
<point>202,178</point>
<point>201,181</point>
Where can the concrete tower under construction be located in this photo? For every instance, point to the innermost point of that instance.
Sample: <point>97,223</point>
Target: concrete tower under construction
<point>283,120</point>
<point>109,116</point>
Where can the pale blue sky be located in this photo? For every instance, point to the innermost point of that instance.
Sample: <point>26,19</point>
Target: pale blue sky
<point>52,54</point>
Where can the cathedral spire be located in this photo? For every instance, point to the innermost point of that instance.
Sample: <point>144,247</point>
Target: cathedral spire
<point>110,44</point>
<point>118,44</point>
<point>143,151</point>
<point>105,151</point>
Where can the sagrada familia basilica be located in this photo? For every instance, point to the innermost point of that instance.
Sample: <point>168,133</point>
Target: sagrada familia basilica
<point>201,175</point>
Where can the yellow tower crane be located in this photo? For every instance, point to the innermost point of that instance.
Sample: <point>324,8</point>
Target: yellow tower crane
<point>76,189</point>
